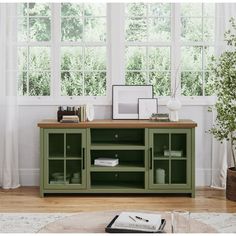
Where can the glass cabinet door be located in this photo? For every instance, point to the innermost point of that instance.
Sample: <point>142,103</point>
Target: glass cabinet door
<point>169,158</point>
<point>65,159</point>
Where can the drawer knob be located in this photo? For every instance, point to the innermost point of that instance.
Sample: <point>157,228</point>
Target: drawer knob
<point>116,136</point>
<point>68,146</point>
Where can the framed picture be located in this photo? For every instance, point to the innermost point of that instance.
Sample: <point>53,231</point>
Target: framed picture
<point>125,100</point>
<point>147,106</point>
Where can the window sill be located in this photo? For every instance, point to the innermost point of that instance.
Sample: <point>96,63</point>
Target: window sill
<point>106,101</point>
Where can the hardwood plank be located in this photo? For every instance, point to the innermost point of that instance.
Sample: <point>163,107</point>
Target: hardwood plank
<point>26,199</point>
<point>50,123</point>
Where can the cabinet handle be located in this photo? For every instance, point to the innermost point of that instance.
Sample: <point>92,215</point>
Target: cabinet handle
<point>83,156</point>
<point>150,159</point>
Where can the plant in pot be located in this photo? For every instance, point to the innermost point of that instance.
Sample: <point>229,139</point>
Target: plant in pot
<point>224,85</point>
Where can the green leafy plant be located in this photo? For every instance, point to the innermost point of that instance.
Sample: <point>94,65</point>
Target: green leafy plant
<point>224,71</point>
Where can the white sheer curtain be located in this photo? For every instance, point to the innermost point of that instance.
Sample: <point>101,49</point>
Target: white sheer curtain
<point>9,171</point>
<point>221,155</point>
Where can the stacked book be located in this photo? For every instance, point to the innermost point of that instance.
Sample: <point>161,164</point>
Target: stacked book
<point>69,119</point>
<point>106,162</point>
<point>161,117</point>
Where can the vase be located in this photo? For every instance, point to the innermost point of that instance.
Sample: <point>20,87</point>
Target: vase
<point>174,105</point>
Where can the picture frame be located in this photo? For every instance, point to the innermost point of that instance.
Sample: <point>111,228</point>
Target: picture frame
<point>125,100</point>
<point>146,107</point>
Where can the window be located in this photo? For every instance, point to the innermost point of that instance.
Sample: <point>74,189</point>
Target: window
<point>197,41</point>
<point>34,60</point>
<point>83,49</point>
<point>148,41</point>
<point>69,51</point>
<point>80,40</point>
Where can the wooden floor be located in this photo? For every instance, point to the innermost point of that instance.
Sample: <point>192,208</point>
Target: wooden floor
<point>26,199</point>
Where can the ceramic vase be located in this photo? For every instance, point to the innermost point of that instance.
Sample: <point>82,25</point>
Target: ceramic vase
<point>174,106</point>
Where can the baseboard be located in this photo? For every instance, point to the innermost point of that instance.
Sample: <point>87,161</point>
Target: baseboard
<point>30,177</point>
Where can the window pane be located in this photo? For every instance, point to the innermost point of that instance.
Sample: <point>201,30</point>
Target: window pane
<point>71,58</point>
<point>159,9</point>
<point>159,29</point>
<point>22,9</point>
<point>69,9</point>
<point>136,58</point>
<point>22,58</point>
<point>209,9</point>
<point>71,83</point>
<point>136,29</point>
<point>39,83</point>
<point>39,29</point>
<point>160,82</point>
<point>136,9</point>
<point>22,83</point>
<point>39,58</point>
<point>71,29</point>
<point>95,29</point>
<point>191,83</point>
<point>191,9</point>
<point>208,53</point>
<point>95,58</point>
<point>95,83</point>
<point>208,29</point>
<point>209,79</point>
<point>22,33</point>
<point>191,29</point>
<point>39,9</point>
<point>135,78</point>
<point>95,9</point>
<point>159,58</point>
<point>191,58</point>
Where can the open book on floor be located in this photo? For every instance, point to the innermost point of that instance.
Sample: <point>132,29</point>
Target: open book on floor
<point>136,222</point>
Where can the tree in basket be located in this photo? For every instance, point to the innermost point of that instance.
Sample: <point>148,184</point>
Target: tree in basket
<point>224,71</point>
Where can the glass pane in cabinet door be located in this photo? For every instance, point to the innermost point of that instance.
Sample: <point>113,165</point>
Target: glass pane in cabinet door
<point>161,172</point>
<point>161,145</point>
<point>178,172</point>
<point>56,172</point>
<point>73,145</point>
<point>74,171</point>
<point>178,145</point>
<point>56,145</point>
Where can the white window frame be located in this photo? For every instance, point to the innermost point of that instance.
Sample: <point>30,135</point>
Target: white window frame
<point>55,45</point>
<point>115,62</point>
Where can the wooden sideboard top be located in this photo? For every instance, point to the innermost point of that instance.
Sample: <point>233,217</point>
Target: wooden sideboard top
<point>50,123</point>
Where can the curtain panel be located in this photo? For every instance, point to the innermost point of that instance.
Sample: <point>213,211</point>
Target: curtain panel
<point>221,154</point>
<point>9,170</point>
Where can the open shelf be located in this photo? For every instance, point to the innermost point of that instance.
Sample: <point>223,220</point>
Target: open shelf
<point>117,180</point>
<point>120,167</point>
<point>120,146</point>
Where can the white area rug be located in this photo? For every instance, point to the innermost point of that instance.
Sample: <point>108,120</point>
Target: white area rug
<point>33,222</point>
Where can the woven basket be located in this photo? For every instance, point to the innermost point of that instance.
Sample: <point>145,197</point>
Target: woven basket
<point>231,184</point>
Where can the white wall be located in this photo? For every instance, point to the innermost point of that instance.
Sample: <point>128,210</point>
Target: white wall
<point>29,139</point>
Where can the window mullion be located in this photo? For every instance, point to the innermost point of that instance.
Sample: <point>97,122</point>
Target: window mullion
<point>175,49</point>
<point>55,50</point>
<point>117,42</point>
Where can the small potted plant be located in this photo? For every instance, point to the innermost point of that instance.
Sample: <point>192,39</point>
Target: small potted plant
<point>224,85</point>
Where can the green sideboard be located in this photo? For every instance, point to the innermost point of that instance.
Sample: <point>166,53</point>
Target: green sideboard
<point>154,157</point>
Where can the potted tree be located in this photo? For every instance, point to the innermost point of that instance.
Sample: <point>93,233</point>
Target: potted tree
<point>224,71</point>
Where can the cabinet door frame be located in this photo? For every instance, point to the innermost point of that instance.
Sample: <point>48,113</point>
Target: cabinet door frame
<point>83,159</point>
<point>188,159</point>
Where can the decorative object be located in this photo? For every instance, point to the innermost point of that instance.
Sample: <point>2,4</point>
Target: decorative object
<point>224,85</point>
<point>125,100</point>
<point>160,176</point>
<point>174,105</point>
<point>90,112</point>
<point>162,117</point>
<point>146,107</point>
